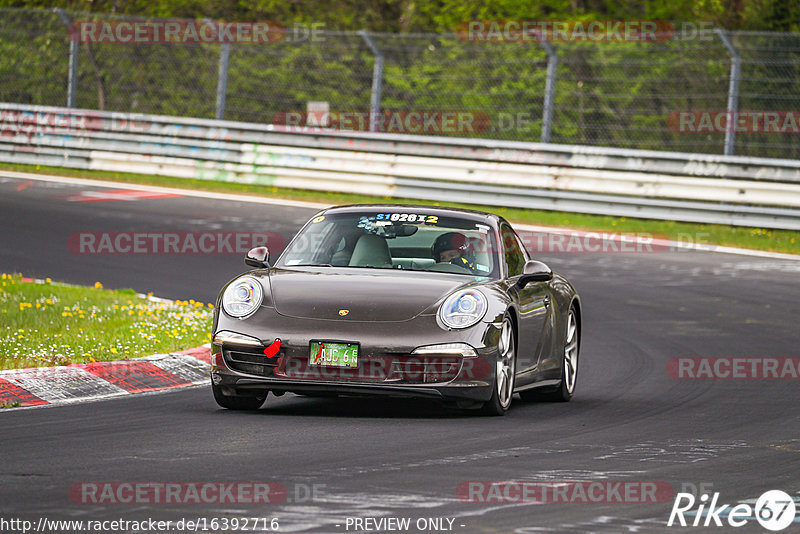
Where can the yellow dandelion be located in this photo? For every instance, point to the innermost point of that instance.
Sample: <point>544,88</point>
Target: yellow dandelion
<point>98,285</point>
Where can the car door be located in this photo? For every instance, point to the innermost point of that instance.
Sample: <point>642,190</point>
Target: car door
<point>533,303</point>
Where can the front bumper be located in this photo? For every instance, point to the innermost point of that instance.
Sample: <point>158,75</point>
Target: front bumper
<point>387,363</point>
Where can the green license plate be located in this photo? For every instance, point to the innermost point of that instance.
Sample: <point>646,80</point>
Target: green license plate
<point>333,354</point>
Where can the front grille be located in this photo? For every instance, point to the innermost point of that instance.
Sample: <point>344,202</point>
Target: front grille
<point>251,369</point>
<point>253,362</point>
<point>246,357</point>
<point>425,369</point>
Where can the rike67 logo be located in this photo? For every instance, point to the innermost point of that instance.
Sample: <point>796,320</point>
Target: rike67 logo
<point>774,510</point>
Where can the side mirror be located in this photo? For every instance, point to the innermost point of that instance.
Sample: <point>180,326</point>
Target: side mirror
<point>534,271</point>
<point>258,257</point>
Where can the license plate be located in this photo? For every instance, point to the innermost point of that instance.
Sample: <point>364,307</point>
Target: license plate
<point>333,354</point>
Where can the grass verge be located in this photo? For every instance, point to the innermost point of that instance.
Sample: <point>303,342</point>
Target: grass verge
<point>712,234</point>
<point>52,323</point>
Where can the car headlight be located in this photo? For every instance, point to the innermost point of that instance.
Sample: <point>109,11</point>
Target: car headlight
<point>242,297</point>
<point>463,308</point>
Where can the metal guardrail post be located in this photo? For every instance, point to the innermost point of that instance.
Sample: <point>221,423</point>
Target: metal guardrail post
<point>72,77</point>
<point>377,81</point>
<point>733,90</point>
<point>549,91</point>
<point>222,80</point>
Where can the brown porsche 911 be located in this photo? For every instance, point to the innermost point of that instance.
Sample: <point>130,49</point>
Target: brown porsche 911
<point>404,301</point>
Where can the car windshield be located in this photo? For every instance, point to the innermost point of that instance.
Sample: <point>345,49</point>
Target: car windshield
<point>395,239</point>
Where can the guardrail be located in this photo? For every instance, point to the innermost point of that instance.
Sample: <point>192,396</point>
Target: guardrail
<point>732,190</point>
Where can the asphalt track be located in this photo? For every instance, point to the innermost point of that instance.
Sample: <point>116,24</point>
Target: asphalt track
<point>393,458</point>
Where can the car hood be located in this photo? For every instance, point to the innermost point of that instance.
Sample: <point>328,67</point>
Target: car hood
<point>365,295</point>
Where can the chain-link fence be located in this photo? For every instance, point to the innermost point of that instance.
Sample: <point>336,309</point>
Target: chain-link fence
<point>673,94</point>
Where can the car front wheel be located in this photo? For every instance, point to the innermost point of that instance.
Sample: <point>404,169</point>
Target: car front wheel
<point>504,374</point>
<point>238,402</point>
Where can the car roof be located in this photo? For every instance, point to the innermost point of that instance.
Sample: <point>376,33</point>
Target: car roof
<point>422,208</point>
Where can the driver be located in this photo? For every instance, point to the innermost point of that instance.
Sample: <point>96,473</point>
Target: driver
<point>453,248</point>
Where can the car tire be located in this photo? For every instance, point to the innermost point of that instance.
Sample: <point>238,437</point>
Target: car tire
<point>503,389</point>
<point>232,402</point>
<point>569,366</point>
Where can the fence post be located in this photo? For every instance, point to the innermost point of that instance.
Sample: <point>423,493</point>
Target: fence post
<point>72,77</point>
<point>222,79</point>
<point>733,91</point>
<point>377,81</point>
<point>549,91</point>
